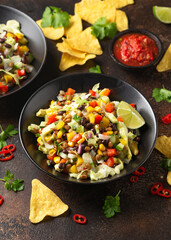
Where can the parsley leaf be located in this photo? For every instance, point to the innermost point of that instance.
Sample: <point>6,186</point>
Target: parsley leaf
<point>102,29</point>
<point>95,69</point>
<point>8,132</point>
<point>161,94</point>
<point>111,205</point>
<point>10,184</point>
<point>54,17</point>
<point>166,164</point>
<point>77,118</point>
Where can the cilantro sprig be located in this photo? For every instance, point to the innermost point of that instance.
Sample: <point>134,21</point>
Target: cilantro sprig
<point>55,17</point>
<point>166,164</point>
<point>102,29</point>
<point>10,184</point>
<point>8,132</point>
<point>77,118</point>
<point>161,94</point>
<point>95,69</point>
<point>112,205</point>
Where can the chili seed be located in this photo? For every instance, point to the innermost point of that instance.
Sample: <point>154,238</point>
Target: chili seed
<point>7,45</point>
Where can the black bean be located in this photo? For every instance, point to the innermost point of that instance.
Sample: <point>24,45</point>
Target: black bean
<point>105,142</point>
<point>83,121</point>
<point>2,54</point>
<point>7,45</point>
<point>2,40</point>
<point>51,162</point>
<point>61,112</point>
<point>93,130</point>
<point>61,165</point>
<point>23,59</point>
<point>0,60</point>
<point>89,125</point>
<point>81,107</point>
<point>64,136</point>
<point>114,128</point>
<point>65,151</point>
<point>137,139</point>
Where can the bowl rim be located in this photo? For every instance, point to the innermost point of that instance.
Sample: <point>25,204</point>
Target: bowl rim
<point>142,31</point>
<point>91,182</point>
<point>45,49</point>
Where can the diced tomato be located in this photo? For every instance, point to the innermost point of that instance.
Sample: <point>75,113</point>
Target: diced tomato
<point>120,119</point>
<point>105,92</point>
<point>3,88</point>
<point>51,119</point>
<point>21,72</point>
<point>93,104</point>
<point>76,138</point>
<point>110,162</point>
<point>70,91</point>
<point>109,107</point>
<point>132,105</point>
<point>111,152</point>
<point>98,119</point>
<point>93,93</point>
<point>50,157</point>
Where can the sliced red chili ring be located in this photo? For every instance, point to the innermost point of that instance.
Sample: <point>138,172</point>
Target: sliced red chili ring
<point>79,219</point>
<point>1,200</point>
<point>157,187</point>
<point>133,179</point>
<point>164,193</point>
<point>166,119</point>
<point>139,172</point>
<point>5,155</point>
<point>10,147</point>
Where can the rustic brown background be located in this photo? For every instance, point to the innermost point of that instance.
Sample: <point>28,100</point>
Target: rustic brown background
<point>143,216</point>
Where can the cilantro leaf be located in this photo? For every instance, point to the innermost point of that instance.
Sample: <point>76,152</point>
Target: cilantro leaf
<point>77,118</point>
<point>156,94</point>
<point>166,164</point>
<point>10,184</point>
<point>111,205</point>
<point>8,132</point>
<point>55,17</point>
<point>161,94</point>
<point>95,69</point>
<point>102,29</point>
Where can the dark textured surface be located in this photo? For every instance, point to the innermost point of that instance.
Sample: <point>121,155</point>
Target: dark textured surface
<point>143,216</point>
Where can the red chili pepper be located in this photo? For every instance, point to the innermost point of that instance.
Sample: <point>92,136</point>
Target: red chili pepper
<point>111,152</point>
<point>93,104</point>
<point>166,119</point>
<point>164,193</point>
<point>5,155</point>
<point>1,200</point>
<point>3,88</point>
<point>98,119</point>
<point>10,147</point>
<point>93,93</point>
<point>139,172</point>
<point>133,179</point>
<point>21,72</point>
<point>157,187</point>
<point>79,219</point>
<point>51,119</point>
<point>132,105</point>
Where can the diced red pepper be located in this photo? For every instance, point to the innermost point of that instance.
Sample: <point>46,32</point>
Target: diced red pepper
<point>109,107</point>
<point>70,91</point>
<point>110,162</point>
<point>3,88</point>
<point>5,155</point>
<point>93,104</point>
<point>51,119</point>
<point>10,147</point>
<point>79,219</point>
<point>21,72</point>
<point>139,172</point>
<point>93,93</point>
<point>76,138</point>
<point>1,200</point>
<point>166,119</point>
<point>132,105</point>
<point>98,119</point>
<point>133,179</point>
<point>120,119</point>
<point>111,152</point>
<point>164,193</point>
<point>156,188</point>
<point>105,92</point>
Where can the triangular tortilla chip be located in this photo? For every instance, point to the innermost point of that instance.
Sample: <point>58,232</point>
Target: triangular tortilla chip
<point>50,32</point>
<point>165,63</point>
<point>44,203</point>
<point>75,26</point>
<point>121,20</point>
<point>169,177</point>
<point>120,3</point>
<point>163,145</point>
<point>85,42</point>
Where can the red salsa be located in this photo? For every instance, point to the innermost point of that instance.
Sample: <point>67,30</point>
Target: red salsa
<point>135,49</point>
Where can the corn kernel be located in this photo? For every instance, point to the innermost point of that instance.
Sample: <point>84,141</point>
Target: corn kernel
<point>10,35</point>
<point>73,169</point>
<point>59,134</point>
<point>90,109</point>
<point>8,78</point>
<point>52,152</point>
<point>99,152</point>
<point>52,102</point>
<point>124,142</point>
<point>104,123</point>
<point>102,147</point>
<point>109,132</point>
<point>56,159</point>
<point>48,138</point>
<point>79,161</point>
<point>71,144</point>
<point>97,109</point>
<point>70,135</point>
<point>60,125</point>
<point>19,35</point>
<point>39,140</point>
<point>23,49</point>
<point>81,140</point>
<point>91,118</point>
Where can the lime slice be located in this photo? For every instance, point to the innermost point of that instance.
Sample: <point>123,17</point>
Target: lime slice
<point>130,116</point>
<point>163,14</point>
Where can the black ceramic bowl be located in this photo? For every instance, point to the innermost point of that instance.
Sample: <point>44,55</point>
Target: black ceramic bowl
<point>82,83</point>
<point>140,31</point>
<point>36,42</point>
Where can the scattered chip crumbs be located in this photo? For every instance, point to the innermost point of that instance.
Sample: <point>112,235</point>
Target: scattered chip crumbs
<point>163,145</point>
<point>68,60</point>
<point>44,203</point>
<point>50,32</point>
<point>169,177</point>
<point>75,26</point>
<point>165,63</point>
<point>121,20</point>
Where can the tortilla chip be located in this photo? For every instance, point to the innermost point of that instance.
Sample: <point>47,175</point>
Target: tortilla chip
<point>44,203</point>
<point>163,145</point>
<point>85,42</point>
<point>120,3</point>
<point>50,32</point>
<point>68,61</point>
<point>92,10</point>
<point>121,20</point>
<point>169,177</point>
<point>75,26</point>
<point>65,47</point>
<point>165,63</point>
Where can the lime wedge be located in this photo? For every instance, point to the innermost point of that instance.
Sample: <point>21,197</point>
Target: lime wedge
<point>130,116</point>
<point>163,14</point>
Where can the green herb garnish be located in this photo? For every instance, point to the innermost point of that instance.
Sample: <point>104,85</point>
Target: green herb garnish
<point>95,69</point>
<point>111,205</point>
<point>102,29</point>
<point>8,132</point>
<point>166,164</point>
<point>10,184</point>
<point>77,118</point>
<point>162,94</point>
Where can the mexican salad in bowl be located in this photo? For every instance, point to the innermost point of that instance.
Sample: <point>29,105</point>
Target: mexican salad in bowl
<point>87,135</point>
